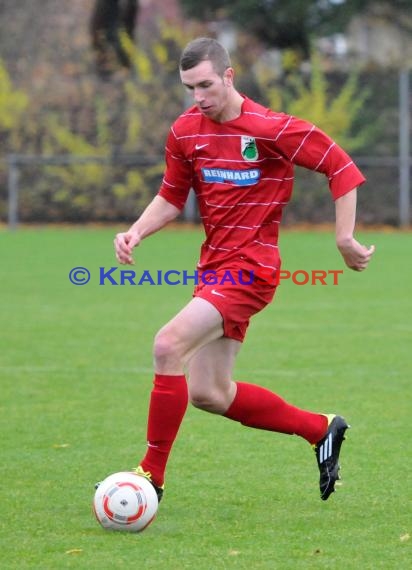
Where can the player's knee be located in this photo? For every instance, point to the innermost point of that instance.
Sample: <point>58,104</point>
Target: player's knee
<point>203,402</point>
<point>165,348</point>
<point>208,401</point>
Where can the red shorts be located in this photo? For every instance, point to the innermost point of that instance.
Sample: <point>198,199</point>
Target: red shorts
<point>236,302</point>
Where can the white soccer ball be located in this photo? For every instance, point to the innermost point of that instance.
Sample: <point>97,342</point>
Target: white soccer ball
<point>125,501</point>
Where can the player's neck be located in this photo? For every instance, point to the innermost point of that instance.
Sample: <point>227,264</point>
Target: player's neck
<point>233,109</point>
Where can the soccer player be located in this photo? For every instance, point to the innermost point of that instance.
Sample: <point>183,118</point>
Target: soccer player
<point>238,156</point>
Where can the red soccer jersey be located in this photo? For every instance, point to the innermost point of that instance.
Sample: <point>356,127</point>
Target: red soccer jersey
<point>242,174</point>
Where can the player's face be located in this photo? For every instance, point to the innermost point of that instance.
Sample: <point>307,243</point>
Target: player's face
<point>210,91</point>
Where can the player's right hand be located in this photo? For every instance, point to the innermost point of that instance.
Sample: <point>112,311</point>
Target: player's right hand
<point>124,243</point>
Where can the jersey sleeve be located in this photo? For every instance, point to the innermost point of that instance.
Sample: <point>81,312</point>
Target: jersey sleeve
<point>305,145</point>
<point>178,174</point>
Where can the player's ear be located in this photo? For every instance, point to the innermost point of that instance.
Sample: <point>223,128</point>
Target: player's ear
<point>228,77</point>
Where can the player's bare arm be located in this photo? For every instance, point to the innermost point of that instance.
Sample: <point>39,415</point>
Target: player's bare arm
<point>157,214</point>
<point>355,255</point>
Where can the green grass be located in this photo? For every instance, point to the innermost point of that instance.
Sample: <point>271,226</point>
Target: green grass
<point>75,366</point>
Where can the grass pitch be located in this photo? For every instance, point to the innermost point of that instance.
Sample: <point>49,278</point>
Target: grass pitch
<point>76,372</point>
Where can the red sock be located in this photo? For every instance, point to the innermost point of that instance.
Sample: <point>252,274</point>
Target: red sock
<point>168,403</point>
<point>259,408</point>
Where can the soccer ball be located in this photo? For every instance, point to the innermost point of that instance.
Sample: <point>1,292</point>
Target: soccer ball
<point>125,501</point>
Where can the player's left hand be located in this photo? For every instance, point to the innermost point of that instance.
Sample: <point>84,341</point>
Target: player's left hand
<point>356,255</point>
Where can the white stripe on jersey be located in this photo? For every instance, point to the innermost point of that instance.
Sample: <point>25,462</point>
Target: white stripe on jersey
<point>303,142</point>
<point>284,128</point>
<point>340,169</point>
<point>279,179</point>
<point>177,157</point>
<point>223,248</point>
<point>194,114</point>
<point>268,266</point>
<point>231,135</point>
<point>325,155</point>
<point>238,247</point>
<point>206,158</point>
<point>269,118</point>
<point>244,204</point>
<point>241,227</point>
<point>198,113</point>
<point>265,244</point>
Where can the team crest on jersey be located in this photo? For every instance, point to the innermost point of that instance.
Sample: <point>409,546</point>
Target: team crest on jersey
<point>248,148</point>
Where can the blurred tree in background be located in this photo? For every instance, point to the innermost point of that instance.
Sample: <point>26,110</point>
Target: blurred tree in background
<point>60,106</point>
<point>317,99</point>
<point>13,106</point>
<point>281,24</point>
<point>52,101</point>
<point>109,19</point>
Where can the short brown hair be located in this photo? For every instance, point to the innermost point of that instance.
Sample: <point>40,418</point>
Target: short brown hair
<point>203,49</point>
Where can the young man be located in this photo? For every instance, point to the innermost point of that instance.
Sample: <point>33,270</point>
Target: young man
<point>238,157</point>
